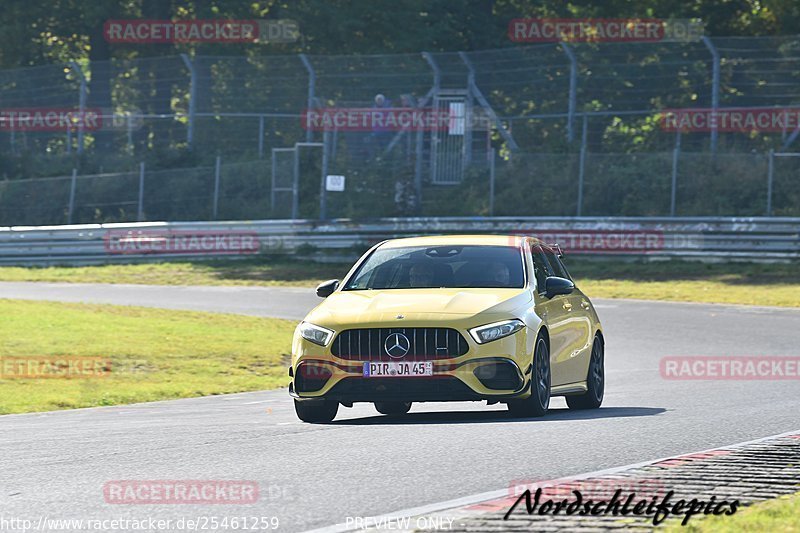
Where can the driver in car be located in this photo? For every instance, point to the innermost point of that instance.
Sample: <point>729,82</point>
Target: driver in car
<point>421,275</point>
<point>499,275</point>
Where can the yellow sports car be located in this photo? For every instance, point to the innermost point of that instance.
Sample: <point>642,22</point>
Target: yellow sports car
<point>449,318</point>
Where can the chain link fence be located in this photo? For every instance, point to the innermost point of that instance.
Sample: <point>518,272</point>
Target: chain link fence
<point>647,184</point>
<point>571,129</point>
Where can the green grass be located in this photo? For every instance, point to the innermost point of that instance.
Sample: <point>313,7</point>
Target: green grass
<point>245,272</point>
<point>781,515</point>
<point>683,281</point>
<point>155,354</point>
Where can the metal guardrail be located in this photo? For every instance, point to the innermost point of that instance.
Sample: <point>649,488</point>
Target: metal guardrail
<point>763,239</point>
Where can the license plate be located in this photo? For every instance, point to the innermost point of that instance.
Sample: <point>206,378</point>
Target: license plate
<point>394,369</point>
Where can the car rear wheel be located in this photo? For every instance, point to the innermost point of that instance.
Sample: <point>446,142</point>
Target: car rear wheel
<point>316,411</point>
<point>595,381</point>
<point>393,408</point>
<point>539,400</point>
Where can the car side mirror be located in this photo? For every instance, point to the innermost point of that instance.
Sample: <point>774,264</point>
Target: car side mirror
<point>326,288</point>
<point>553,286</point>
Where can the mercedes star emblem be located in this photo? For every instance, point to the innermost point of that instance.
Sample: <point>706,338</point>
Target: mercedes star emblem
<point>396,345</point>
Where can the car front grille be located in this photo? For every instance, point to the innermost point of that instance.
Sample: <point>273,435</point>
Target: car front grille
<point>369,344</point>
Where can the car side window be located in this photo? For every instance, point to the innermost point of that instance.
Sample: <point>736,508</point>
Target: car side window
<point>564,268</point>
<point>558,265</point>
<point>540,267</point>
<point>555,263</point>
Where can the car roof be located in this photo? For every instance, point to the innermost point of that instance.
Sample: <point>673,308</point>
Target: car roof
<point>475,240</point>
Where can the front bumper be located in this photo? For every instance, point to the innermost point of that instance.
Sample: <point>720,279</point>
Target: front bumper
<point>497,370</point>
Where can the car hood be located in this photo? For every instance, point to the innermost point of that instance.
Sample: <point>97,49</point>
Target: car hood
<point>349,307</point>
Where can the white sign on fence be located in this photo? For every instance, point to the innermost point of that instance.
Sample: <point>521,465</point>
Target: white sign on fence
<point>334,183</point>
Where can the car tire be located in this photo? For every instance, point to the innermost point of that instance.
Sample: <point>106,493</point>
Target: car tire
<point>316,411</point>
<point>393,408</point>
<point>595,381</point>
<point>537,403</point>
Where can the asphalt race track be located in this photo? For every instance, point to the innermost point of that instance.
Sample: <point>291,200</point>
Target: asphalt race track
<point>363,464</point>
<point>284,302</point>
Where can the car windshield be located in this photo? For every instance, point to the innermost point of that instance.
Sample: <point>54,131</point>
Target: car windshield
<point>427,267</point>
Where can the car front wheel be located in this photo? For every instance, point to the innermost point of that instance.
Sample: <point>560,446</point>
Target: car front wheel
<point>539,400</point>
<point>316,411</point>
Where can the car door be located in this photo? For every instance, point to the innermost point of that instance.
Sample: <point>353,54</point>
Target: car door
<point>556,313</point>
<point>577,347</point>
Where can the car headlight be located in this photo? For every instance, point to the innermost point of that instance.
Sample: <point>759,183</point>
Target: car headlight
<point>315,334</point>
<point>497,330</point>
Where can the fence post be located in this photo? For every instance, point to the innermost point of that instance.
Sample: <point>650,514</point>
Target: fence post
<point>434,92</point>
<point>573,90</point>
<point>323,191</point>
<point>770,180</point>
<point>72,185</point>
<point>491,181</point>
<point>312,83</point>
<point>81,102</point>
<point>129,124</point>
<point>714,90</point>
<point>192,98</point>
<point>674,191</point>
<point>140,214</point>
<point>476,93</point>
<point>272,182</point>
<point>582,164</point>
<point>261,137</point>
<point>296,185</point>
<point>418,172</point>
<point>437,74</point>
<point>217,166</point>
<point>467,139</point>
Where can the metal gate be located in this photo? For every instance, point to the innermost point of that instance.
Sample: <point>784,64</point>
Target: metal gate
<point>286,171</point>
<point>449,144</point>
<point>284,186</point>
<point>783,188</point>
